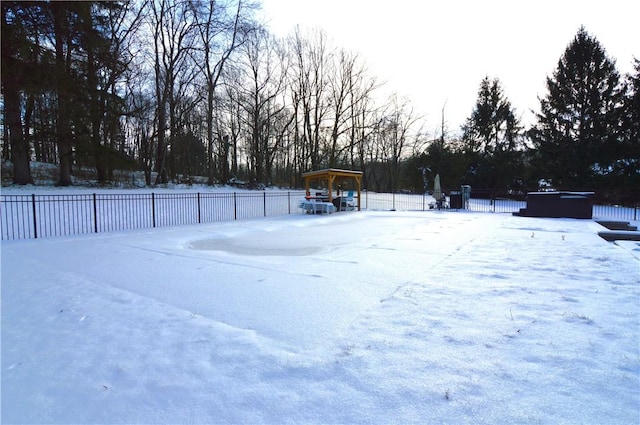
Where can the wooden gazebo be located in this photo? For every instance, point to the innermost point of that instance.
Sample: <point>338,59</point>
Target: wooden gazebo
<point>330,175</point>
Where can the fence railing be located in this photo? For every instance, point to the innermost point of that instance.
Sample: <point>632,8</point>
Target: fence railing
<point>41,216</point>
<point>487,203</point>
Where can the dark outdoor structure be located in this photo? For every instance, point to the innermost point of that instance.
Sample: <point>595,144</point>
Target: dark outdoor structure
<point>455,200</point>
<point>558,204</point>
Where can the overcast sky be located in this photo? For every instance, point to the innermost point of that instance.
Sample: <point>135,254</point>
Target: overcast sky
<point>437,52</point>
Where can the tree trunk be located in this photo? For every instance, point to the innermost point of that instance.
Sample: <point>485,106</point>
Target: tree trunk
<point>19,147</point>
<point>63,130</point>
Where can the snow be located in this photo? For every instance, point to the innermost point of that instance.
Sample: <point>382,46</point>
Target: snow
<point>364,317</point>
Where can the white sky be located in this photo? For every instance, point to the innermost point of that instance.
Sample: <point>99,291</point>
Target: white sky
<point>438,52</point>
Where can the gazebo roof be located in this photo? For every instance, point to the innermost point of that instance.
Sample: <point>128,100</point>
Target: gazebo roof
<point>332,172</point>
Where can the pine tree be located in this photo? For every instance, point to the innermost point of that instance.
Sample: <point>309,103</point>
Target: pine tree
<point>627,166</point>
<point>491,137</point>
<point>15,75</point>
<point>578,121</point>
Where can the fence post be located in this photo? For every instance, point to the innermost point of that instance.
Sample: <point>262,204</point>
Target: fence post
<point>289,201</point>
<point>198,207</point>
<point>235,207</point>
<point>153,209</point>
<point>264,203</point>
<point>35,221</point>
<point>95,214</point>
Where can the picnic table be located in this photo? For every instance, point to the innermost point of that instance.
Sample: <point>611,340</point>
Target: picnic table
<point>318,204</point>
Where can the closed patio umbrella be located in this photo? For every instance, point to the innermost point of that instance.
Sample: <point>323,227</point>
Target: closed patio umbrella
<point>437,190</point>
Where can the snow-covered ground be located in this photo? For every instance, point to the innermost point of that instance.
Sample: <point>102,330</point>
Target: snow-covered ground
<point>369,317</point>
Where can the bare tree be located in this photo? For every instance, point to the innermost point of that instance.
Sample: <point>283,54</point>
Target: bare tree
<point>229,124</point>
<point>261,81</point>
<point>173,26</point>
<point>308,84</point>
<point>222,27</point>
<point>393,136</point>
<point>358,113</point>
<point>346,85</point>
<point>121,26</point>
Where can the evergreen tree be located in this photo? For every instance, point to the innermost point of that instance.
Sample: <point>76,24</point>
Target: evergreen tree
<point>491,137</point>
<point>578,124</point>
<point>627,165</point>
<point>18,77</point>
<point>70,54</point>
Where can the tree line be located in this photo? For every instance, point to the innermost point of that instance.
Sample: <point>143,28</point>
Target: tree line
<point>200,88</point>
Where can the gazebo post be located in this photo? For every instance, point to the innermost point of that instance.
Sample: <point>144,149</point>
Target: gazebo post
<point>331,178</point>
<point>358,179</point>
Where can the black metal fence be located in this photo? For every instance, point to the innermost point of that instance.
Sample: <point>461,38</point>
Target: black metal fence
<point>482,201</point>
<point>41,216</point>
